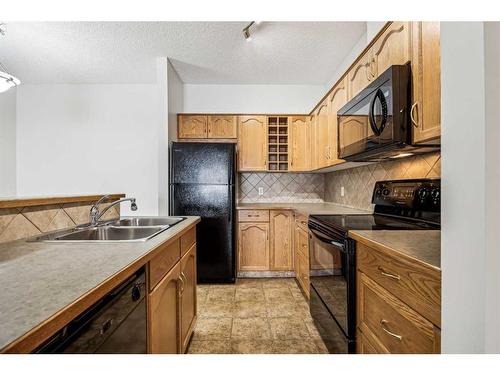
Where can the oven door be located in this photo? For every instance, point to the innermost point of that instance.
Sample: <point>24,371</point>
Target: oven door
<point>332,278</point>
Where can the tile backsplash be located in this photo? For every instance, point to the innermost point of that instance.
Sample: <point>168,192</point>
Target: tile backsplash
<point>281,187</point>
<point>23,222</point>
<point>358,182</point>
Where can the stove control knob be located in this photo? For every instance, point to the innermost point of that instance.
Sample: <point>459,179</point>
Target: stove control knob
<point>423,193</point>
<point>386,191</point>
<point>435,194</point>
<point>378,192</point>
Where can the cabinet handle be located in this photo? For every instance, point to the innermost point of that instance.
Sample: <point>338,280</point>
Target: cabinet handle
<point>383,324</point>
<point>372,65</point>
<point>415,123</point>
<point>388,274</point>
<point>181,285</point>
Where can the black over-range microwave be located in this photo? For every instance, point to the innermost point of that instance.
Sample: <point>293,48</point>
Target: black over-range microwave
<point>375,124</point>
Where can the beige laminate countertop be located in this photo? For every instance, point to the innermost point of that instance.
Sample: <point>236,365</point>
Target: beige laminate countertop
<point>41,279</point>
<point>422,246</point>
<point>304,208</point>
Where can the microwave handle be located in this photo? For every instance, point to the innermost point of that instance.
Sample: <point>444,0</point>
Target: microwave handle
<point>373,124</point>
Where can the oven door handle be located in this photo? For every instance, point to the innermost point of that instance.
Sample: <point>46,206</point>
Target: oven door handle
<point>326,240</point>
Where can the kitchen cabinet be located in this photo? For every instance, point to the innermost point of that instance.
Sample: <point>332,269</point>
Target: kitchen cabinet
<point>281,223</point>
<point>322,139</point>
<point>336,100</point>
<point>426,105</point>
<point>398,303</point>
<point>192,126</point>
<point>253,247</point>
<point>392,47</point>
<point>311,124</point>
<point>172,304</point>
<point>163,315</point>
<point>301,249</point>
<point>222,127</point>
<point>301,144</point>
<point>187,296</point>
<point>360,75</point>
<point>252,143</point>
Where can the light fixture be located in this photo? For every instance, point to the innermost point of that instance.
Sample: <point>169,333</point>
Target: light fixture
<point>246,31</point>
<point>401,155</point>
<point>7,81</point>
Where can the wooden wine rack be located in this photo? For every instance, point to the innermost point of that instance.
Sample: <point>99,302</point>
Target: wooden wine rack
<point>278,134</point>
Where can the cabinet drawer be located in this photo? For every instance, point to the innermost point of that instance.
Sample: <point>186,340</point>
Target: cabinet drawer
<point>187,240</point>
<point>163,262</point>
<point>253,215</point>
<point>399,328</point>
<point>418,286</point>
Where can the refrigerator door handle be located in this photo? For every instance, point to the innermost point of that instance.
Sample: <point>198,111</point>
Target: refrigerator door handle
<point>230,216</point>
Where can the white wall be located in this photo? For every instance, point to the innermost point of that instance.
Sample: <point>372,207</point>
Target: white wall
<point>492,82</point>
<point>463,185</point>
<point>8,143</point>
<point>372,28</point>
<point>251,98</point>
<point>77,139</point>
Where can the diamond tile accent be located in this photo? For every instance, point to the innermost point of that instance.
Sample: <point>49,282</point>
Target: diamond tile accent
<point>281,188</point>
<point>359,182</point>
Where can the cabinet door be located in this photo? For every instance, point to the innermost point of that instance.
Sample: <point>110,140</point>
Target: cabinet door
<point>281,241</point>
<point>360,75</point>
<point>253,247</point>
<point>300,144</point>
<point>192,126</point>
<point>392,47</point>
<point>163,315</point>
<point>337,100</point>
<point>426,106</point>
<point>252,143</point>
<point>322,142</point>
<point>303,272</point>
<point>188,296</point>
<point>311,124</point>
<point>222,127</point>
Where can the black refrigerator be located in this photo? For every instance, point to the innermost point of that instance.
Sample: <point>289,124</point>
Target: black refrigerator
<point>202,177</point>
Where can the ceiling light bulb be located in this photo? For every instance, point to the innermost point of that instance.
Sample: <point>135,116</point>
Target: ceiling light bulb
<point>8,81</point>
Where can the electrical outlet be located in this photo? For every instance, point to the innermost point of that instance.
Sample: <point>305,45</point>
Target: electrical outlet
<point>342,191</point>
<point>261,191</point>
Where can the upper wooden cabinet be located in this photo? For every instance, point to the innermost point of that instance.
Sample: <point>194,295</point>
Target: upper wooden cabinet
<point>313,146</point>
<point>222,127</point>
<point>391,48</point>
<point>426,59</point>
<point>281,240</point>
<point>300,143</point>
<point>252,143</point>
<point>322,141</point>
<point>360,75</point>
<point>192,126</point>
<point>337,99</point>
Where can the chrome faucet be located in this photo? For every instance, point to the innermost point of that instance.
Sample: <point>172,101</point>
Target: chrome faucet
<point>95,214</point>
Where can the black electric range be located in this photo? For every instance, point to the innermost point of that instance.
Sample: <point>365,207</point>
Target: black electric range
<point>399,205</point>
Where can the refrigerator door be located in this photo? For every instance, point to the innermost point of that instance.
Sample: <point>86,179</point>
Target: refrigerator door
<point>202,163</point>
<point>215,246</point>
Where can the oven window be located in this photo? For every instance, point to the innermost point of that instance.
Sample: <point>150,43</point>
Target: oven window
<point>329,278</point>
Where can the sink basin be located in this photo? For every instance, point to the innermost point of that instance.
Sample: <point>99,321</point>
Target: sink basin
<point>105,233</point>
<point>146,222</point>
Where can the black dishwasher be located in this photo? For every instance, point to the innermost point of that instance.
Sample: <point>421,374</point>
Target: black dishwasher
<point>116,324</point>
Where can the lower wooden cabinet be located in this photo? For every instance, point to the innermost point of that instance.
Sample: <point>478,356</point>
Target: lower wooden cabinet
<point>281,241</point>
<point>172,306</point>
<point>163,315</point>
<point>187,296</point>
<point>253,247</point>
<point>301,245</point>
<point>397,304</point>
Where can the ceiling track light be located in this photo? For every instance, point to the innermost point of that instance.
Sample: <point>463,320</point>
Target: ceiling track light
<point>7,81</point>
<point>246,30</point>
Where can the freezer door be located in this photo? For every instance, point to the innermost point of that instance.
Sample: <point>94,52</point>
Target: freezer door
<point>215,247</point>
<point>202,163</point>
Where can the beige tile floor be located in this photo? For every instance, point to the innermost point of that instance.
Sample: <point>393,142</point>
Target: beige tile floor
<point>259,316</point>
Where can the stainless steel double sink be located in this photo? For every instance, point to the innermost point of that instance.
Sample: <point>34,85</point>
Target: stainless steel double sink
<point>133,229</point>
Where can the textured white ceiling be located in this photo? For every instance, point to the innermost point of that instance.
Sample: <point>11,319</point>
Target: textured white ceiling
<point>201,52</point>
